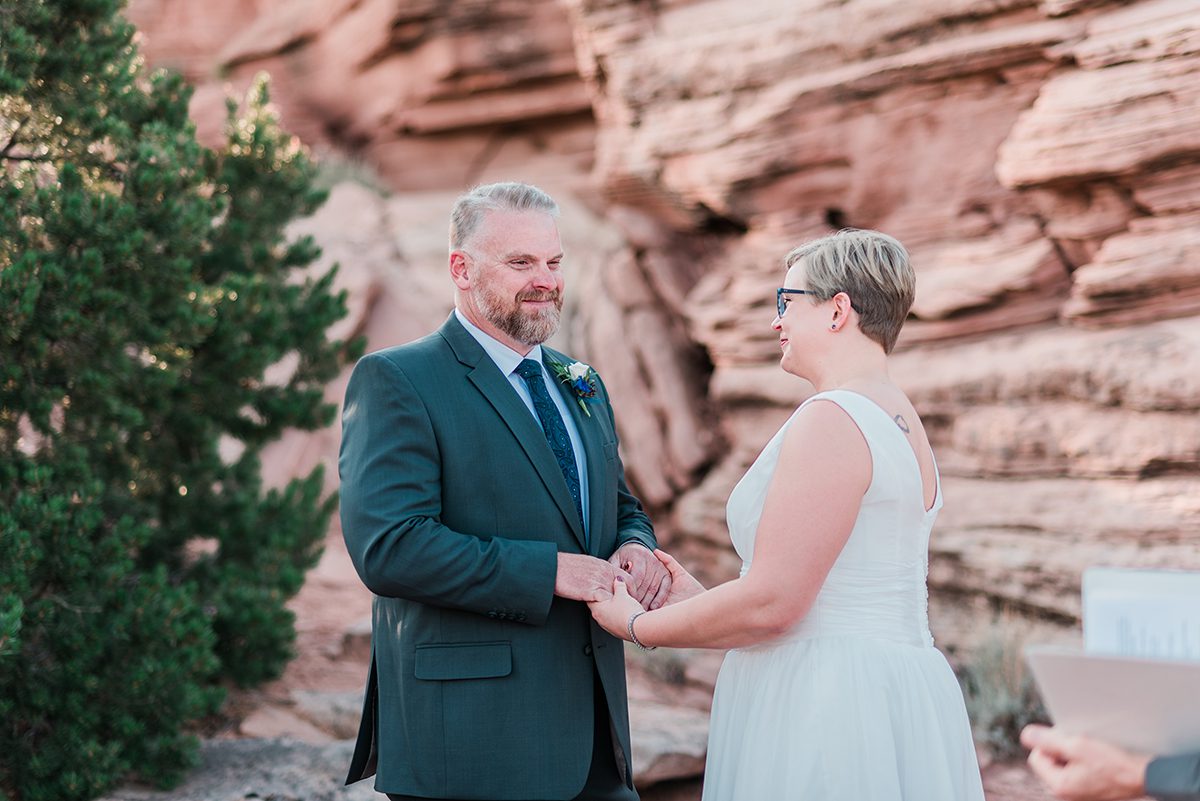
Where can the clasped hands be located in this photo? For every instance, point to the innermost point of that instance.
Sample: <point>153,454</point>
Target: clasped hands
<point>586,578</point>
<point>634,579</point>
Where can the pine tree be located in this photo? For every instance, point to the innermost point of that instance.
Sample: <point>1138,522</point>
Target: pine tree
<point>146,285</point>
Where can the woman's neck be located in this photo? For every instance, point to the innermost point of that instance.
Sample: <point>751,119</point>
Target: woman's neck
<point>853,370</point>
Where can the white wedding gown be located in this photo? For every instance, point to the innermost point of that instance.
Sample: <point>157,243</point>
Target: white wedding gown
<point>855,703</point>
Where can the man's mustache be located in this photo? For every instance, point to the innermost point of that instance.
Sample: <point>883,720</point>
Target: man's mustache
<point>539,296</point>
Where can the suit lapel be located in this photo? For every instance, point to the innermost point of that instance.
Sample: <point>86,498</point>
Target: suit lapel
<point>499,393</point>
<point>593,454</point>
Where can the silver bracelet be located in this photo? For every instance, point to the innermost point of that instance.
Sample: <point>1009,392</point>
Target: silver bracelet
<point>633,637</point>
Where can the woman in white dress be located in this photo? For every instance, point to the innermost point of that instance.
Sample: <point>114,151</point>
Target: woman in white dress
<point>833,690</point>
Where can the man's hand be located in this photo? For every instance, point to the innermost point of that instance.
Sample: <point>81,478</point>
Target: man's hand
<point>585,578</point>
<point>650,583</point>
<point>1082,769</point>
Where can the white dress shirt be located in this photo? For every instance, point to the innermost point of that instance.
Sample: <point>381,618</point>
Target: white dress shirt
<point>508,360</point>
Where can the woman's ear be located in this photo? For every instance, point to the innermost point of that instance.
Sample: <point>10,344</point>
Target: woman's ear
<point>841,309</point>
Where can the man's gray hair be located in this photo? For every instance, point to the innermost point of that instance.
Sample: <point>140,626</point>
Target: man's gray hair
<point>508,196</point>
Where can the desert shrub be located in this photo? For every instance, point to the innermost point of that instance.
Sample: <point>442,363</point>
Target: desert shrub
<point>999,689</point>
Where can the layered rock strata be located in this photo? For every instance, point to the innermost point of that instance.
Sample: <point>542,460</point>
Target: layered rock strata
<point>1041,162</point>
<point>1041,159</point>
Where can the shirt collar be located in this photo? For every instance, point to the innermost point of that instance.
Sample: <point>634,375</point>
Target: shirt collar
<point>505,357</point>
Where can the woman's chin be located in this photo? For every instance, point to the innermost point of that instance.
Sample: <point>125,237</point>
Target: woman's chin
<point>787,366</point>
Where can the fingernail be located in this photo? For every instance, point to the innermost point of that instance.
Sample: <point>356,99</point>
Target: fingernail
<point>621,579</point>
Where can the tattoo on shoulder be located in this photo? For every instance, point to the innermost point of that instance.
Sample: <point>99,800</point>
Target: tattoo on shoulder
<point>901,422</point>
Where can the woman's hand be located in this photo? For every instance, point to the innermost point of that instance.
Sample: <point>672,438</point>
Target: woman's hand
<point>613,614</point>
<point>683,583</point>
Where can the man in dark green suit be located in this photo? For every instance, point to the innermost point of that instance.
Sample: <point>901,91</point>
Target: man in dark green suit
<point>483,503</point>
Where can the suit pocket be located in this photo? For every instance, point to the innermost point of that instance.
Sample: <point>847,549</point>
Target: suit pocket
<point>473,660</point>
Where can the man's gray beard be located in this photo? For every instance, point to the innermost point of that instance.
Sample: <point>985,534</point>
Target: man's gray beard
<point>528,329</point>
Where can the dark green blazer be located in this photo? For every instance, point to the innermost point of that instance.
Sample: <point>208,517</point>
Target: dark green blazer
<point>453,510</point>
<point>1174,778</point>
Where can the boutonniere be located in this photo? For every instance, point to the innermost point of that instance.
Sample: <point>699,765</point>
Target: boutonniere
<point>580,378</point>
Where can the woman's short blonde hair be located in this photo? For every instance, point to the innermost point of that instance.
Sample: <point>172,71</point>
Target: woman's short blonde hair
<point>872,268</point>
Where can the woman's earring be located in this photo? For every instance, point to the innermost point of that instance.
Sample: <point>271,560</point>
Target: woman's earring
<point>833,327</point>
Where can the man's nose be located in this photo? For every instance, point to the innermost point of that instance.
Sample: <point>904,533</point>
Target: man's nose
<point>777,324</point>
<point>543,277</point>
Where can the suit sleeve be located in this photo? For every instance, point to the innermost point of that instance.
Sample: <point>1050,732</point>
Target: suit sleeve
<point>633,524</point>
<point>390,471</point>
<point>1175,778</point>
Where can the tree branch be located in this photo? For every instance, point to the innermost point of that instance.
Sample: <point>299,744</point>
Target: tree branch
<point>23,157</point>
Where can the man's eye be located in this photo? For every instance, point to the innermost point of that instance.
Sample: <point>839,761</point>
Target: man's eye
<point>786,301</point>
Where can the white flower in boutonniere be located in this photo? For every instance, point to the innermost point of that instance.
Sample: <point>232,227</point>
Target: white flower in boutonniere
<point>580,378</point>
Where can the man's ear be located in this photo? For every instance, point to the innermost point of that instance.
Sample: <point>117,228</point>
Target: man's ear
<point>458,269</point>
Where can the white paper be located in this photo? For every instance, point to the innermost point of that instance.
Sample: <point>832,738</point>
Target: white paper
<point>1148,614</point>
<point>1147,706</point>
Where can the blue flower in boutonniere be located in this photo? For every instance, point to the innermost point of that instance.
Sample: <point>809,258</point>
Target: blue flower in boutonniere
<point>580,378</point>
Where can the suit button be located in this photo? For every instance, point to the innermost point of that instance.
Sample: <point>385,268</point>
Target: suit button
<point>587,650</point>
<point>492,614</point>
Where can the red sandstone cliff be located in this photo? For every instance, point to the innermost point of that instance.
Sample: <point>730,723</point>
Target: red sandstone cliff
<point>1041,158</point>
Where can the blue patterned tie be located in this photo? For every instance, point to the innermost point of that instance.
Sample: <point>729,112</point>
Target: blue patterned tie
<point>552,425</point>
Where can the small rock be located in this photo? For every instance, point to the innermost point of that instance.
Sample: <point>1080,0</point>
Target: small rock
<point>273,721</point>
<point>356,642</point>
<point>669,742</point>
<point>336,713</point>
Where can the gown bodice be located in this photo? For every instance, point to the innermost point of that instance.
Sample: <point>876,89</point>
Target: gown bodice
<point>876,587</point>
